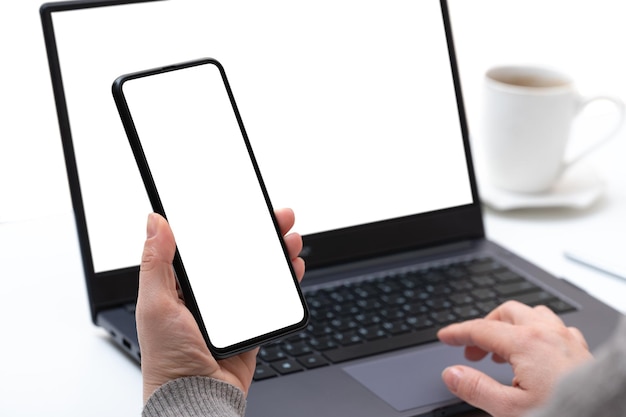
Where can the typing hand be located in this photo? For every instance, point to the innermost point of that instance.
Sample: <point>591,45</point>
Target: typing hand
<point>534,341</point>
<point>170,340</point>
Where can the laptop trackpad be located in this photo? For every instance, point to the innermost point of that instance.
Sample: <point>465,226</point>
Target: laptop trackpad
<point>413,379</point>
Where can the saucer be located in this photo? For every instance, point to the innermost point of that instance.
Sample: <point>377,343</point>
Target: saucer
<point>579,187</point>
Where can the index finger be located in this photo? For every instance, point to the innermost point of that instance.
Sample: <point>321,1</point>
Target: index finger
<point>285,218</point>
<point>488,335</point>
<point>515,312</point>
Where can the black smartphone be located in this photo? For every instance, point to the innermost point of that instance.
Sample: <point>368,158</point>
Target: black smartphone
<point>199,171</point>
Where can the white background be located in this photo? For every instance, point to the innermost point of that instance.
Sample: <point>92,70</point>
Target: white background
<point>54,362</point>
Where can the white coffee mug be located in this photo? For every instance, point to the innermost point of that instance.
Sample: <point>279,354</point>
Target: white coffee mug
<point>527,118</point>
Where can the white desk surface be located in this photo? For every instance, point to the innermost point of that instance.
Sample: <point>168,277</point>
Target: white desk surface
<point>53,361</point>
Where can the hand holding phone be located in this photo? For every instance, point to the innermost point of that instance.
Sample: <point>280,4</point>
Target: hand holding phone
<point>171,344</point>
<point>199,170</point>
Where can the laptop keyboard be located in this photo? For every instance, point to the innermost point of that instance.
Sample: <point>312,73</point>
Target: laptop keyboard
<point>395,311</point>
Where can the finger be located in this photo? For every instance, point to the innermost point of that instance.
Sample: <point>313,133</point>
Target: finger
<point>515,312</point>
<point>508,311</point>
<point>497,358</point>
<point>579,336</point>
<point>450,335</point>
<point>474,353</point>
<point>293,242</point>
<point>298,268</point>
<point>285,218</point>
<point>156,273</point>
<point>512,312</point>
<point>547,314</point>
<point>488,335</point>
<point>479,389</point>
<point>157,282</point>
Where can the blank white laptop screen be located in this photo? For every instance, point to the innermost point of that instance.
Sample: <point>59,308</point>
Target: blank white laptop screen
<point>349,106</point>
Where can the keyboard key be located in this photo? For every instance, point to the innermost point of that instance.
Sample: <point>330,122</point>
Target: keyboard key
<point>297,349</point>
<point>319,330</point>
<point>462,285</point>
<point>507,276</point>
<point>393,313</point>
<point>389,287</point>
<point>323,314</point>
<point>416,308</point>
<point>271,354</point>
<point>483,281</point>
<point>454,271</point>
<point>467,312</point>
<point>312,361</point>
<point>444,317</point>
<point>487,306</point>
<point>460,299</point>
<point>396,299</point>
<point>419,322</point>
<point>369,304</point>
<point>369,318</point>
<point>560,306</point>
<point>480,266</point>
<point>323,343</point>
<point>483,294</point>
<point>263,372</point>
<point>344,323</point>
<point>287,366</point>
<point>534,298</point>
<point>439,303</point>
<point>515,288</point>
<point>375,331</point>
<point>298,337</point>
<point>349,338</point>
<point>396,327</point>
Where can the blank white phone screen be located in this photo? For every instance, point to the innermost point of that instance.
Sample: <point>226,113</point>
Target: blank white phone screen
<point>212,198</point>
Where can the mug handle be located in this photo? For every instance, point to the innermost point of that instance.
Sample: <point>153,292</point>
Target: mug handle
<point>621,108</point>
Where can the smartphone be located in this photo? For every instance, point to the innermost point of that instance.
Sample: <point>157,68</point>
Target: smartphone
<point>200,173</point>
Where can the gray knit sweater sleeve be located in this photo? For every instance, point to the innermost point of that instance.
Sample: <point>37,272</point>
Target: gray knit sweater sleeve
<point>196,397</point>
<point>597,388</point>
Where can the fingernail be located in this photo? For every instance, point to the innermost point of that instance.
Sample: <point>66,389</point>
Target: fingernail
<point>451,377</point>
<point>151,229</point>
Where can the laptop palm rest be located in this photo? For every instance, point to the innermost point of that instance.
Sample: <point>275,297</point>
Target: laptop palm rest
<point>413,379</point>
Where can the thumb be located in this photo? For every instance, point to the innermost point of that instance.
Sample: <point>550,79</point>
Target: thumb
<point>477,389</point>
<point>156,275</point>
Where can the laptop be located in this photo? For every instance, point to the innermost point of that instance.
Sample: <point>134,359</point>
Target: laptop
<point>355,113</point>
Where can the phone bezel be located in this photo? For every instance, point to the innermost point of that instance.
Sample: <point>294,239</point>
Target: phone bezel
<point>157,206</point>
